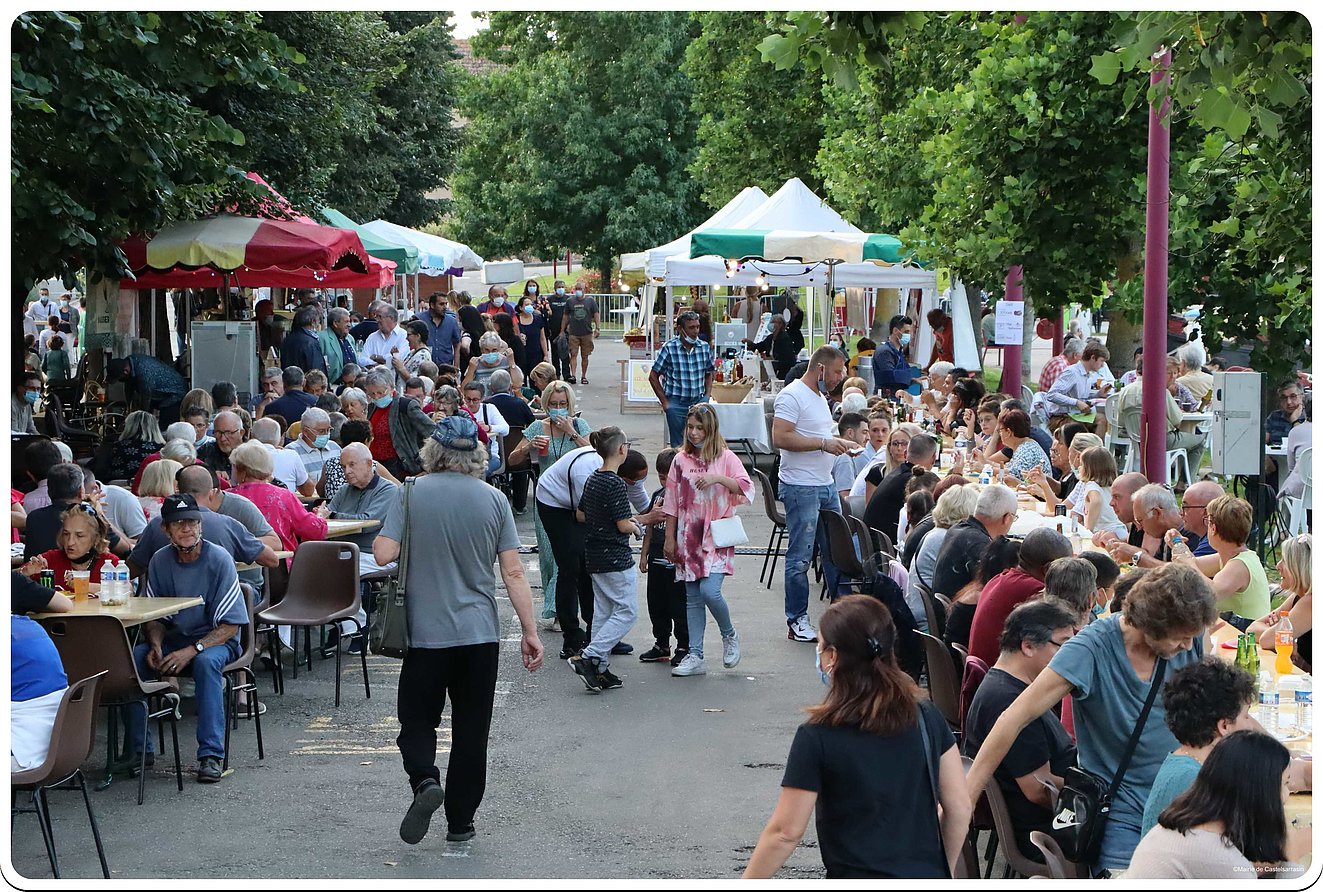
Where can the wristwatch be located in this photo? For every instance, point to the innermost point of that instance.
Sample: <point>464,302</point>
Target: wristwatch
<point>199,646</point>
<point>1134,558</point>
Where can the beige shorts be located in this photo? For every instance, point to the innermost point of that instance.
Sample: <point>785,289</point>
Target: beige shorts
<point>581,343</point>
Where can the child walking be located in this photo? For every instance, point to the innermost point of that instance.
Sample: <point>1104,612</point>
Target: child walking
<point>605,511</point>
<point>666,594</point>
<point>706,483</point>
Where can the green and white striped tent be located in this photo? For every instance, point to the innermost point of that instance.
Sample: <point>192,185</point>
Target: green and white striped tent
<point>808,247</point>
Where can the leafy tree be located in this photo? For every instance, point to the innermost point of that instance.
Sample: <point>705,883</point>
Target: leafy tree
<point>581,139</point>
<point>756,126</point>
<point>108,138</point>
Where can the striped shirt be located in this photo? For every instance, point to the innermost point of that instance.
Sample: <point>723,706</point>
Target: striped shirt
<point>683,371</point>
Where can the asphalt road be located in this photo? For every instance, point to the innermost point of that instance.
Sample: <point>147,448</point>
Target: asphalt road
<point>663,778</point>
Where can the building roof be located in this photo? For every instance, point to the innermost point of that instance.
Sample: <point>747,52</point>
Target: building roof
<point>471,63</point>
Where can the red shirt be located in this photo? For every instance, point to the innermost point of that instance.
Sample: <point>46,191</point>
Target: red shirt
<point>15,498</point>
<point>1000,596</point>
<point>1051,371</point>
<point>383,447</point>
<point>56,560</point>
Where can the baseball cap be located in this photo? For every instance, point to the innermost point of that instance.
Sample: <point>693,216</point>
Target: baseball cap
<point>180,506</point>
<point>457,432</point>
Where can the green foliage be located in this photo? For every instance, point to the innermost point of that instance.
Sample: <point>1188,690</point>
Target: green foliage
<point>840,44</point>
<point>107,133</point>
<point>582,139</point>
<point>756,126</point>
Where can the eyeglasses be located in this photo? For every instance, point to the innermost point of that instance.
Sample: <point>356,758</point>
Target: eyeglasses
<point>1193,507</point>
<point>699,409</point>
<point>1056,643</point>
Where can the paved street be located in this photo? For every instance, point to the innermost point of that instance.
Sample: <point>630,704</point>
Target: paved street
<point>666,777</point>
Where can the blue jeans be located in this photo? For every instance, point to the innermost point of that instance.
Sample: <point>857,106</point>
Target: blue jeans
<point>802,529</point>
<point>210,690</point>
<point>676,413</point>
<point>702,595</point>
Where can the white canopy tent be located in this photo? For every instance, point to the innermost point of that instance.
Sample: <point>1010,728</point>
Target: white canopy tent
<point>796,207</point>
<point>652,262</point>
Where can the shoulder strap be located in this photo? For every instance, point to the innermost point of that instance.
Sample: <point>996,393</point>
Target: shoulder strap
<point>404,540</point>
<point>569,480</point>
<point>1130,747</point>
<point>931,763</point>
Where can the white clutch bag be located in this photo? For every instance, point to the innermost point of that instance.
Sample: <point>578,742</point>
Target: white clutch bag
<point>728,532</point>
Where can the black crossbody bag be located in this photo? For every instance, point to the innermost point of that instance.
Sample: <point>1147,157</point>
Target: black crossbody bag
<point>1086,799</point>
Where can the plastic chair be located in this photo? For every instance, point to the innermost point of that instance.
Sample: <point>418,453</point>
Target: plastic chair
<point>1115,438</point>
<point>778,519</point>
<point>323,589</point>
<point>1297,517</point>
<point>1058,868</point>
<point>840,540</point>
<point>975,671</point>
<point>1016,861</point>
<point>94,644</point>
<point>243,666</point>
<point>936,619</point>
<point>72,738</point>
<point>275,581</point>
<point>943,686</point>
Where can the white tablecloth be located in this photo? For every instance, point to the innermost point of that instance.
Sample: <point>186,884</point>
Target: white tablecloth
<point>744,421</point>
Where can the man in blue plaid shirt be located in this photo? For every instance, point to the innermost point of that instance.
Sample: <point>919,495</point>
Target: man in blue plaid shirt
<point>682,375</point>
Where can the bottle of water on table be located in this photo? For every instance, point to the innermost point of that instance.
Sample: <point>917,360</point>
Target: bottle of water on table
<point>1269,700</point>
<point>1304,704</point>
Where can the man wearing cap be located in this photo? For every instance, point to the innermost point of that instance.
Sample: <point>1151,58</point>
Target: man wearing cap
<point>200,640</point>
<point>462,527</point>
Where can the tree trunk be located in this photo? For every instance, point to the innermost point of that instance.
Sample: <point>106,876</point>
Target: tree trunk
<point>604,271</point>
<point>975,307</point>
<point>1123,335</point>
<point>1027,352</point>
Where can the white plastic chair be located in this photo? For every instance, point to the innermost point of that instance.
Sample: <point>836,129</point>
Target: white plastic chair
<point>1115,436</point>
<point>1298,509</point>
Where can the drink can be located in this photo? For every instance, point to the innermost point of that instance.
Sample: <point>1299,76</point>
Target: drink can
<point>48,578</point>
<point>1060,510</point>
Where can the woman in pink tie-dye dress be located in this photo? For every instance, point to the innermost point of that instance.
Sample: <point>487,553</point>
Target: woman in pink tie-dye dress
<point>706,483</point>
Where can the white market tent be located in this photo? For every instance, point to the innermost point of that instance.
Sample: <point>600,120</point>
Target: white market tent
<point>793,207</point>
<point>652,262</point>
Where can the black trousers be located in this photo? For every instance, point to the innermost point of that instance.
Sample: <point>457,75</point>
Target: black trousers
<point>666,607</point>
<point>559,358</point>
<point>468,675</point>
<point>574,587</point>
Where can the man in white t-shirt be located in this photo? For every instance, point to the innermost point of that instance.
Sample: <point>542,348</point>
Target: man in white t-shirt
<point>802,430</point>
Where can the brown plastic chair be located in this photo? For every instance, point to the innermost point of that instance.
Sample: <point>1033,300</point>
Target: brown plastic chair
<point>1016,861</point>
<point>975,671</point>
<point>323,589</point>
<point>72,738</point>
<point>275,581</point>
<point>943,686</point>
<point>243,665</point>
<point>840,540</point>
<point>778,519</point>
<point>936,620</point>
<point>100,643</point>
<point>1058,868</point>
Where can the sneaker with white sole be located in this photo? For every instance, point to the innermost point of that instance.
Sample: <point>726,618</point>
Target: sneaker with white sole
<point>730,651</point>
<point>690,665</point>
<point>800,630</point>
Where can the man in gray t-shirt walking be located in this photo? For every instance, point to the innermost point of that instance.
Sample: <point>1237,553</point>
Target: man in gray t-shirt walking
<point>454,626</point>
<point>580,325</point>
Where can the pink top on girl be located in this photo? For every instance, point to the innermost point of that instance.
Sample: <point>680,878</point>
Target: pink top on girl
<point>694,509</point>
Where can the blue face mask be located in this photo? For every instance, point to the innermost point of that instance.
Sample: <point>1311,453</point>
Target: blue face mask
<point>822,673</point>
<point>560,291</point>
<point>382,402</point>
<point>822,385</point>
<point>559,413</point>
<point>690,341</point>
<point>31,396</point>
<point>322,441</point>
<point>904,340</point>
<point>491,358</point>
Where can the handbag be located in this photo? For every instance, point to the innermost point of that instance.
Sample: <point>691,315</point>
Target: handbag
<point>1086,800</point>
<point>728,532</point>
<point>388,629</point>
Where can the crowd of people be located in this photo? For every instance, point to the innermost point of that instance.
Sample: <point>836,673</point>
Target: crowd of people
<point>397,424</point>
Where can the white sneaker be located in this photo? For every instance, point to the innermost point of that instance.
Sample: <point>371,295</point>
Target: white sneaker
<point>730,651</point>
<point>551,624</point>
<point>690,665</point>
<point>800,630</point>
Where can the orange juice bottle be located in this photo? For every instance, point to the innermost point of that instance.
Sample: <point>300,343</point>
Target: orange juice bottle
<point>1285,643</point>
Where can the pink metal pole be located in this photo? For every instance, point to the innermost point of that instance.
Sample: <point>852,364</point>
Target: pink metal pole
<point>1058,332</point>
<point>1010,355</point>
<point>1154,414</point>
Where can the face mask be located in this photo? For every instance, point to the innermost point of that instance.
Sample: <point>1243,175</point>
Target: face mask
<point>1097,610</point>
<point>822,673</point>
<point>498,301</point>
<point>904,340</point>
<point>64,303</point>
<point>690,341</point>
<point>559,413</point>
<point>321,441</point>
<point>560,291</point>
<point>45,299</point>
<point>31,396</point>
<point>491,358</point>
<point>382,402</point>
<point>698,439</point>
<point>822,385</point>
<point>188,549</point>
<point>83,558</point>
<point>578,292</point>
<point>531,289</point>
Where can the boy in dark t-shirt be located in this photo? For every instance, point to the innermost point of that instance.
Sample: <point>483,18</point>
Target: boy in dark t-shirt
<point>605,510</point>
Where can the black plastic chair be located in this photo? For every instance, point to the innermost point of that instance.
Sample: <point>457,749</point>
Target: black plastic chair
<point>840,540</point>
<point>778,519</point>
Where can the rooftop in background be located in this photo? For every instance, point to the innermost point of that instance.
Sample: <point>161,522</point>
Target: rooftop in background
<point>471,63</point>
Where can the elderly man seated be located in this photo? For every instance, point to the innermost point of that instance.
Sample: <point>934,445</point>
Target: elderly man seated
<point>230,432</point>
<point>200,640</point>
<point>1194,515</point>
<point>287,464</point>
<point>366,496</point>
<point>1155,512</point>
<point>314,445</point>
<point>1131,404</point>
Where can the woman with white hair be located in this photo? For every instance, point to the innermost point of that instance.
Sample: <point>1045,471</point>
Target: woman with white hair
<point>353,402</point>
<point>178,447</point>
<point>1192,357</point>
<point>494,354</point>
<point>953,505</point>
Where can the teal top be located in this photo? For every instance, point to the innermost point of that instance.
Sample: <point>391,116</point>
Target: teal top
<point>1174,778</point>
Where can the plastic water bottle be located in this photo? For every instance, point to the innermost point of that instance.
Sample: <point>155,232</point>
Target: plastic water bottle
<point>986,476</point>
<point>1269,700</point>
<point>1304,704</point>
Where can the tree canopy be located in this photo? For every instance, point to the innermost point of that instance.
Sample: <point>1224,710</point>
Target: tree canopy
<point>581,138</point>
